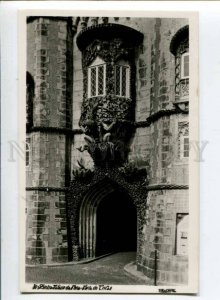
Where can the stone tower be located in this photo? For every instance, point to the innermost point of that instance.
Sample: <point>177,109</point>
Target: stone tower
<point>49,130</point>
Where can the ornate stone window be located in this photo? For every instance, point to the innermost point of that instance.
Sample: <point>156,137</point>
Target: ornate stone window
<point>97,78</point>
<point>108,62</point>
<point>182,73</point>
<point>183,128</point>
<point>122,79</point>
<point>180,48</point>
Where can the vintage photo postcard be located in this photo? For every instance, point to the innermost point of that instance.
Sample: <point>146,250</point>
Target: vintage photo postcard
<point>108,108</point>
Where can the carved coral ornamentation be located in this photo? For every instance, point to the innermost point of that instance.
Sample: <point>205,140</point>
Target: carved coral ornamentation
<point>107,119</point>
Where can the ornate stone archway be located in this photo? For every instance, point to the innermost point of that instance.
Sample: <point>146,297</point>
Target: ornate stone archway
<point>88,214</point>
<point>87,191</point>
<point>94,198</point>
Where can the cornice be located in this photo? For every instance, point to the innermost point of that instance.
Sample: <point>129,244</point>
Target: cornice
<point>180,35</point>
<point>107,32</point>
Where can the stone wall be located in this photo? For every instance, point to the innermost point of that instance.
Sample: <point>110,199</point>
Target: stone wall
<point>48,165</point>
<point>140,148</point>
<point>158,147</point>
<point>50,44</point>
<point>46,227</point>
<point>160,234</point>
<point>166,165</point>
<point>50,64</point>
<point>155,79</point>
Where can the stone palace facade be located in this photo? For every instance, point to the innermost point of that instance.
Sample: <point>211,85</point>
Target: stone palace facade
<point>108,141</point>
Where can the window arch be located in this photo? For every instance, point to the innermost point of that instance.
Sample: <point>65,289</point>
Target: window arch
<point>97,78</point>
<point>179,47</point>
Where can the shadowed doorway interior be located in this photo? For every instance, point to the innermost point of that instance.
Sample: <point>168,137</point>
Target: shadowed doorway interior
<point>107,220</point>
<point>116,228</point>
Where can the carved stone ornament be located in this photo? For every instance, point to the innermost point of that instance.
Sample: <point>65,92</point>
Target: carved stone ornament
<point>107,120</point>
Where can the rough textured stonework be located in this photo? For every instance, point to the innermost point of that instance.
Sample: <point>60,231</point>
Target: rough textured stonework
<point>46,229</point>
<point>159,233</point>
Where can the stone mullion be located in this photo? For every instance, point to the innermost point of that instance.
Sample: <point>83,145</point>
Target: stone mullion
<point>110,79</point>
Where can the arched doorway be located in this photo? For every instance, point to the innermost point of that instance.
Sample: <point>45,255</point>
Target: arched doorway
<point>116,224</point>
<point>108,221</point>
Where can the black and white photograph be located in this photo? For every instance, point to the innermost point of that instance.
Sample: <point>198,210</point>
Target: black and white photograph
<point>110,186</point>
